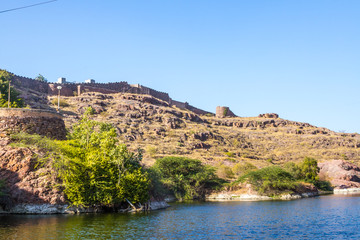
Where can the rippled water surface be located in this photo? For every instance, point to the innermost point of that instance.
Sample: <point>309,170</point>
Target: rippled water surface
<point>326,217</point>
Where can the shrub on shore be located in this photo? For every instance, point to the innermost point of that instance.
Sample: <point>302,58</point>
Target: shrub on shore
<point>186,178</point>
<point>94,168</point>
<point>275,179</point>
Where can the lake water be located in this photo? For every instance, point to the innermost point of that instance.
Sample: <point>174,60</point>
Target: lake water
<point>326,217</point>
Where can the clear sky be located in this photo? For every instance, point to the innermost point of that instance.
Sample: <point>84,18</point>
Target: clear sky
<point>300,59</point>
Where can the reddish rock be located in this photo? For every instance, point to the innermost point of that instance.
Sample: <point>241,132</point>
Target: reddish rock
<point>24,183</point>
<point>340,173</point>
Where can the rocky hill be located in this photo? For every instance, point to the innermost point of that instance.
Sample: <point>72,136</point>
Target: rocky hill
<point>143,121</point>
<point>162,129</point>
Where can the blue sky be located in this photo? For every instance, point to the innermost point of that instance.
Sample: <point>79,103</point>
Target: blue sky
<point>299,59</point>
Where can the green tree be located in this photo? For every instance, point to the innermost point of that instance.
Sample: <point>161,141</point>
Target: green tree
<point>270,180</point>
<point>41,78</point>
<point>294,170</point>
<point>15,101</point>
<point>186,178</point>
<point>97,170</point>
<point>309,169</point>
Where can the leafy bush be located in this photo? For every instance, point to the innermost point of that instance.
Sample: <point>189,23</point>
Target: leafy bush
<point>97,170</point>
<point>323,185</point>
<point>15,101</point>
<point>270,180</point>
<point>186,178</point>
<point>294,170</point>
<point>310,169</point>
<point>93,167</point>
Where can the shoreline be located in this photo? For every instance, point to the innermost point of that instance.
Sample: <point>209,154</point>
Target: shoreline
<point>50,209</point>
<point>220,197</point>
<point>47,209</point>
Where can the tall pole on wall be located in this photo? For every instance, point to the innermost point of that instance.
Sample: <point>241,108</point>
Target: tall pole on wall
<point>9,95</point>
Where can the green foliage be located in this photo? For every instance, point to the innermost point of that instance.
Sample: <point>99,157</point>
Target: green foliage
<point>270,180</point>
<point>225,111</point>
<point>2,186</point>
<point>41,78</point>
<point>89,111</point>
<point>93,167</point>
<point>323,185</point>
<point>309,169</point>
<point>97,171</point>
<point>15,101</point>
<point>230,154</point>
<point>23,139</point>
<point>186,178</point>
<point>294,170</point>
<point>243,168</point>
<point>157,188</point>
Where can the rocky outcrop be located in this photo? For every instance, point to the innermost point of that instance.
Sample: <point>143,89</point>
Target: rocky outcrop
<point>341,174</point>
<point>269,115</point>
<point>27,180</point>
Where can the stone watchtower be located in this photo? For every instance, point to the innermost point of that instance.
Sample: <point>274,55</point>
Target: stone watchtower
<point>222,112</point>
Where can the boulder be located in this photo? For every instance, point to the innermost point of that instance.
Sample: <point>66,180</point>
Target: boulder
<point>340,173</point>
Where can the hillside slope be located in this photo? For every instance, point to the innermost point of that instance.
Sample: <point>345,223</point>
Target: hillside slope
<point>145,122</point>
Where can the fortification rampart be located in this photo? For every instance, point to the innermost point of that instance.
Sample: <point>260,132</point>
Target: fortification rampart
<point>72,89</point>
<point>139,89</point>
<point>42,122</point>
<point>28,83</point>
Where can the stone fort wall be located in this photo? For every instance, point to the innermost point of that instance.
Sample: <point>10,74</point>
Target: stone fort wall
<point>72,89</point>
<point>33,121</point>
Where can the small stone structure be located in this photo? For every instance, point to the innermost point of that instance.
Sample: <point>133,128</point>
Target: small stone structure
<point>33,121</point>
<point>222,112</point>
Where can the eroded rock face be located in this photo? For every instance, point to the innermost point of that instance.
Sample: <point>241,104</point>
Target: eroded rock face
<point>340,173</point>
<point>27,181</point>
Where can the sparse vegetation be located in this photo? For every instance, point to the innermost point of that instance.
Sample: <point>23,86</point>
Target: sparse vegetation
<point>243,168</point>
<point>224,171</point>
<point>63,103</point>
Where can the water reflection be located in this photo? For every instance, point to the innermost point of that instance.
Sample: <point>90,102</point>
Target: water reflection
<point>329,217</point>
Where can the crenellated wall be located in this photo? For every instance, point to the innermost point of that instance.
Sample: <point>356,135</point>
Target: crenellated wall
<point>72,89</point>
<point>33,121</point>
<point>139,89</point>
